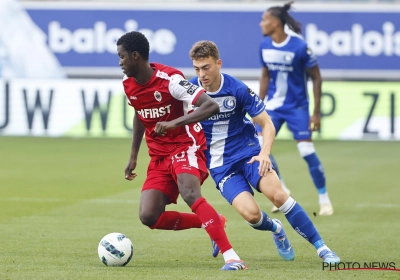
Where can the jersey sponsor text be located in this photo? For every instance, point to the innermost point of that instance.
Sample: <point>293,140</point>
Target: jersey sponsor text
<point>154,112</point>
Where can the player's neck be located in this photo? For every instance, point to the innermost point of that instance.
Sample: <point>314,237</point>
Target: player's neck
<point>144,75</point>
<point>279,36</point>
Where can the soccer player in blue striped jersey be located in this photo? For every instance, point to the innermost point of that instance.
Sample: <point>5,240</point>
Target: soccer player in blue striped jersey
<point>237,162</point>
<point>287,63</point>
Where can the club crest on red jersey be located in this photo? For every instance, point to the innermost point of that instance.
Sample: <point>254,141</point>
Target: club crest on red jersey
<point>157,96</point>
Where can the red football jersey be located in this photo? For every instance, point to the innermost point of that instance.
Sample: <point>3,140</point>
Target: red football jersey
<point>165,97</point>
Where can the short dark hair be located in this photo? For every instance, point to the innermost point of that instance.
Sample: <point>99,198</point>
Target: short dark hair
<point>204,49</point>
<point>135,41</point>
<point>282,13</point>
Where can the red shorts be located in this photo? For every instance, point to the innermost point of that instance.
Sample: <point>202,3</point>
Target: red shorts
<point>162,173</point>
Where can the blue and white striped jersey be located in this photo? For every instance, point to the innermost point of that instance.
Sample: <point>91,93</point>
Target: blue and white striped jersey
<point>287,63</point>
<point>230,135</point>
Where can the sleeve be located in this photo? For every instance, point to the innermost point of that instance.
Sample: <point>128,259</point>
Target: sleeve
<point>184,90</point>
<point>250,101</point>
<point>309,56</point>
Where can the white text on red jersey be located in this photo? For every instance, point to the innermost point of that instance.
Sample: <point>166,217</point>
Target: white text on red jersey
<point>154,112</point>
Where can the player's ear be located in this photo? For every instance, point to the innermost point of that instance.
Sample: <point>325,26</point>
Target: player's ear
<point>135,55</point>
<point>219,63</point>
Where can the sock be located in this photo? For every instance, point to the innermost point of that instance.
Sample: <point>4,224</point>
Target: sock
<point>307,151</point>
<point>316,171</point>
<point>320,246</point>
<point>299,220</point>
<point>265,223</point>
<point>212,224</point>
<point>172,220</point>
<point>324,198</point>
<point>230,255</point>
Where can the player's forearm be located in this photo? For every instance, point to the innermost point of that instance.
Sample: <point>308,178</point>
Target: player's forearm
<point>268,133</point>
<point>264,81</point>
<point>203,112</point>
<point>316,78</point>
<point>263,87</point>
<point>137,136</point>
<point>317,88</point>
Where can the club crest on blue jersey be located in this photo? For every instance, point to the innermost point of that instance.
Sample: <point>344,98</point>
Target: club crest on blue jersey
<point>229,103</point>
<point>289,57</point>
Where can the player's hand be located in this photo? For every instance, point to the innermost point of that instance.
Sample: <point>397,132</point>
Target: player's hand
<point>265,164</point>
<point>162,127</point>
<point>315,122</point>
<point>129,174</point>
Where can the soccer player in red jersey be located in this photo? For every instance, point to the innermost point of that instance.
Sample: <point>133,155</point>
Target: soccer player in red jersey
<point>163,101</point>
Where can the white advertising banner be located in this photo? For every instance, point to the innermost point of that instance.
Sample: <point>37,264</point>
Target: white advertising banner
<point>62,107</point>
<point>98,108</point>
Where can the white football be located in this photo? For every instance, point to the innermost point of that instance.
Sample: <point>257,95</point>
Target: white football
<point>115,249</point>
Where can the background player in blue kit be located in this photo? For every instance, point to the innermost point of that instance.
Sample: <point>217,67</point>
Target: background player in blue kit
<point>287,64</point>
<point>236,161</point>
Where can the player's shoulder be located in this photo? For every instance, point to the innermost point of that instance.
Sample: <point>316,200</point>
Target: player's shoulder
<point>266,42</point>
<point>233,84</point>
<point>128,82</point>
<point>297,42</point>
<point>300,46</point>
<point>164,71</point>
<point>126,79</point>
<point>232,81</point>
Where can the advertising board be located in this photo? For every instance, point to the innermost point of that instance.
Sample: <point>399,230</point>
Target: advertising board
<point>98,108</point>
<point>351,41</point>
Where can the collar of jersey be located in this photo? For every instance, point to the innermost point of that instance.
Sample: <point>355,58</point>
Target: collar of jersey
<point>220,86</point>
<point>280,45</point>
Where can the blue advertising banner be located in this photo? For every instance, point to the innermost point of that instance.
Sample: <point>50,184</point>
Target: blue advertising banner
<point>359,43</point>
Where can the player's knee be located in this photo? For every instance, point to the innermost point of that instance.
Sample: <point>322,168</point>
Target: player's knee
<point>148,219</point>
<point>249,211</point>
<point>189,195</point>
<point>252,217</point>
<point>280,197</point>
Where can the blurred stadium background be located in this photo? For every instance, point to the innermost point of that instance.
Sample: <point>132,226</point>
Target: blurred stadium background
<point>65,132</point>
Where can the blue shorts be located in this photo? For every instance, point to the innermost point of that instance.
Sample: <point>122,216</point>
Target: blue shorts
<point>236,178</point>
<point>298,121</point>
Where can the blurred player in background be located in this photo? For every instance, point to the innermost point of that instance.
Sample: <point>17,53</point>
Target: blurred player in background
<point>163,99</point>
<point>287,63</point>
<point>235,159</point>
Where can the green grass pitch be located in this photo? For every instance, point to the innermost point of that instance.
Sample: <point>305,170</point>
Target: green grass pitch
<point>60,196</point>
